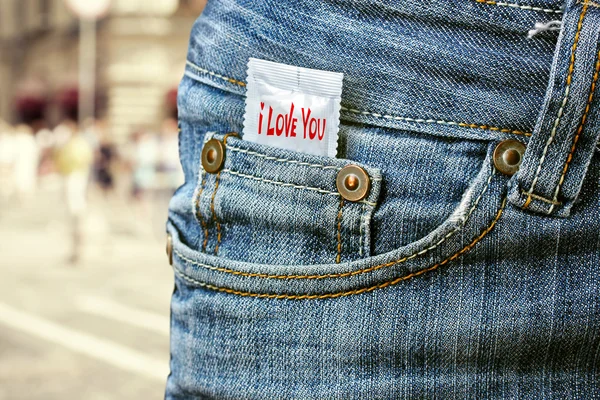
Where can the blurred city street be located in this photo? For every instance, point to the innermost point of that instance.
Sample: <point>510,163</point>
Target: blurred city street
<point>89,160</point>
<point>94,330</point>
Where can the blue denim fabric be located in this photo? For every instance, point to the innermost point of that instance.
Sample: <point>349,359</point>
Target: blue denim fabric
<point>450,280</point>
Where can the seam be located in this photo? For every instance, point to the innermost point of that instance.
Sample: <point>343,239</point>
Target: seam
<point>214,215</point>
<point>392,117</point>
<point>540,198</point>
<point>351,273</point>
<point>588,2</point>
<point>339,232</point>
<point>435,121</point>
<point>212,201</point>
<point>256,178</point>
<point>199,214</point>
<point>524,7</point>
<point>579,131</point>
<point>225,78</point>
<point>355,291</point>
<point>360,231</point>
<point>282,160</point>
<point>562,106</point>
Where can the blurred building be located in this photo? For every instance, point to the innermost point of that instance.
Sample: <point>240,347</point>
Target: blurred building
<point>141,53</point>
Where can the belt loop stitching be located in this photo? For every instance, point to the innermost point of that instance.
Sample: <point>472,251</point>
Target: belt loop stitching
<point>579,131</point>
<point>561,109</point>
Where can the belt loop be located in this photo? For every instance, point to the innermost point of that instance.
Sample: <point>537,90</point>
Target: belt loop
<point>567,130</point>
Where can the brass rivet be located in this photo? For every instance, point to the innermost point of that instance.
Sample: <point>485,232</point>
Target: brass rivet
<point>353,183</point>
<point>508,156</point>
<point>213,156</point>
<point>170,248</point>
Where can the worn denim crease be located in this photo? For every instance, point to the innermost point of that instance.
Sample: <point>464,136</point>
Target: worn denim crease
<point>355,291</point>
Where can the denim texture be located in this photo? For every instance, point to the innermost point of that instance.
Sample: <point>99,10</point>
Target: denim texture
<point>450,279</point>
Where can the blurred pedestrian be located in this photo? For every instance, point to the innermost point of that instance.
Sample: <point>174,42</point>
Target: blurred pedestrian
<point>73,161</point>
<point>26,161</point>
<point>8,155</point>
<point>169,164</point>
<point>145,161</point>
<point>106,155</point>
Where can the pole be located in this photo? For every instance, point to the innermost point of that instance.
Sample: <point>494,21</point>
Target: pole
<point>87,70</point>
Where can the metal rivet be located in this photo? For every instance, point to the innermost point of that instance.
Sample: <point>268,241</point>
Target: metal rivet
<point>508,156</point>
<point>353,183</point>
<point>213,156</point>
<point>170,248</point>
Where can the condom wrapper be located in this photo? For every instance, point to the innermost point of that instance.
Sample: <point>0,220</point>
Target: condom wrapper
<point>293,108</point>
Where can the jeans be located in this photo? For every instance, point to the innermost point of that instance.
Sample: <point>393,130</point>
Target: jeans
<point>450,279</point>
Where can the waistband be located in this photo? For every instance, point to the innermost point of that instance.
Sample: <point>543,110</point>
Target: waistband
<point>464,68</point>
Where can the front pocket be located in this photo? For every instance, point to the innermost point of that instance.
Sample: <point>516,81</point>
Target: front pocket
<point>274,206</point>
<point>473,220</point>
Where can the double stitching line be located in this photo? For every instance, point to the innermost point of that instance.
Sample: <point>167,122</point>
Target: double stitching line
<point>282,160</point>
<point>339,232</point>
<point>214,215</point>
<point>579,130</point>
<point>355,291</point>
<point>560,110</point>
<point>199,214</point>
<point>225,78</point>
<point>384,116</point>
<point>284,184</point>
<point>351,273</point>
<point>514,5</point>
<point>435,121</point>
<point>212,200</point>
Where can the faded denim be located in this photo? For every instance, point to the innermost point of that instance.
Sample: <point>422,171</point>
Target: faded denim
<point>454,280</point>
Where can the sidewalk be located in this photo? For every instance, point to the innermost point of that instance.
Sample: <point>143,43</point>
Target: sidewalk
<point>96,330</point>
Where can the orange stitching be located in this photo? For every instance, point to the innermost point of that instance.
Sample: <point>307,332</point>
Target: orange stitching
<point>344,274</point>
<point>434,121</point>
<point>589,3</point>
<point>199,214</point>
<point>339,232</point>
<point>225,78</point>
<point>355,291</point>
<point>580,128</point>
<point>540,198</point>
<point>214,215</point>
<point>494,128</point>
<point>212,205</point>
<point>562,107</point>
<point>229,135</point>
<point>415,120</point>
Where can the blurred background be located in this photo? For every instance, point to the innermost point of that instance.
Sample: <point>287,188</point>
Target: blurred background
<point>88,163</point>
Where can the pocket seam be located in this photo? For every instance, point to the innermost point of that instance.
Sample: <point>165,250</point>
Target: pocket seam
<point>349,292</point>
<point>285,184</point>
<point>283,160</point>
<point>360,271</point>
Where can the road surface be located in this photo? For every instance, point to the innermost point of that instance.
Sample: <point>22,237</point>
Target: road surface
<point>96,330</point>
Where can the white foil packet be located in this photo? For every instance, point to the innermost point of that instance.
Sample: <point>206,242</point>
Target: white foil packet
<point>293,108</point>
